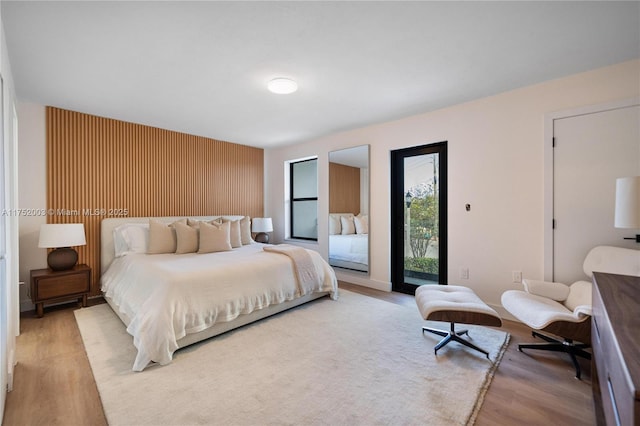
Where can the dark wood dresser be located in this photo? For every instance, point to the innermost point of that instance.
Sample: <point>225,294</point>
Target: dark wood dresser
<point>615,337</point>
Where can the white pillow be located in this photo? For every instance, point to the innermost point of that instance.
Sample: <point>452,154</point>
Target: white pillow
<point>131,238</point>
<point>348,226</point>
<point>362,224</point>
<point>334,225</point>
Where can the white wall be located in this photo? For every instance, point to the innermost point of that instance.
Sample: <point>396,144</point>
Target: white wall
<point>496,164</point>
<point>32,165</point>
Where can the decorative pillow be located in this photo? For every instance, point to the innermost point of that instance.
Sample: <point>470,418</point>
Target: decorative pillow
<point>362,224</point>
<point>214,238</point>
<point>245,230</point>
<point>131,238</point>
<point>187,238</point>
<point>347,224</point>
<point>235,234</point>
<point>162,237</point>
<point>196,223</point>
<point>193,223</point>
<point>334,225</point>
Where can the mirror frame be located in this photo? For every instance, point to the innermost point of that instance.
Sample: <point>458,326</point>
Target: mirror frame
<point>355,150</point>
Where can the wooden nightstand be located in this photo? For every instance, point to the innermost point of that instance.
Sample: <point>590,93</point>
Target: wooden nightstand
<point>53,286</point>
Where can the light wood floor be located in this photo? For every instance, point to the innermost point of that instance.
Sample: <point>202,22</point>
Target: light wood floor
<point>54,385</point>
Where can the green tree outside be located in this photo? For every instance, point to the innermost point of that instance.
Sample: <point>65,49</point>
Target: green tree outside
<point>423,233</point>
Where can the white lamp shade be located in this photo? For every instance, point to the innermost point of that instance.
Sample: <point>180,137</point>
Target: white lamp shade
<point>628,203</point>
<point>56,235</point>
<point>262,224</point>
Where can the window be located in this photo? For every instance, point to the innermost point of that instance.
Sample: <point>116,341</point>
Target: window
<point>303,178</point>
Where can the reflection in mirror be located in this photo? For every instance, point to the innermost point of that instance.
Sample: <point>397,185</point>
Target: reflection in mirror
<point>349,208</point>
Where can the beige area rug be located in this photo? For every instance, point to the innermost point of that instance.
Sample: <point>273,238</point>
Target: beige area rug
<point>354,361</point>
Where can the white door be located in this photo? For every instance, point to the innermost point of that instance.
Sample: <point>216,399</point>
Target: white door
<point>591,151</point>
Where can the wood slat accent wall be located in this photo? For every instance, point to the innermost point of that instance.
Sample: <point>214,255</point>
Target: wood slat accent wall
<point>99,168</point>
<point>344,189</point>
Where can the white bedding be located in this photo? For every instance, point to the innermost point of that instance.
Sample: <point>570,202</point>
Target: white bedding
<point>349,248</point>
<point>167,296</point>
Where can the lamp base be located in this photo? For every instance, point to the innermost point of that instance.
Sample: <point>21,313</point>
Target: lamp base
<point>62,259</point>
<point>262,237</point>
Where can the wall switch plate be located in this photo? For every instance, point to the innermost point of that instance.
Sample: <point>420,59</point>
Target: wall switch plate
<point>517,276</point>
<point>464,273</point>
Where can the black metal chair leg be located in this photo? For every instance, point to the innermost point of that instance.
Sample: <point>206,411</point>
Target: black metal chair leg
<point>470,345</point>
<point>454,335</point>
<point>435,331</point>
<point>543,337</point>
<point>567,346</point>
<point>554,347</point>
<point>442,343</point>
<point>576,365</point>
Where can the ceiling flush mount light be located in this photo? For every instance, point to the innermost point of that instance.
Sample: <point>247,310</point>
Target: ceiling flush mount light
<point>282,86</point>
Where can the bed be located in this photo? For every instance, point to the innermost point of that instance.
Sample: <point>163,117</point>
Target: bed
<point>169,301</point>
<point>348,243</point>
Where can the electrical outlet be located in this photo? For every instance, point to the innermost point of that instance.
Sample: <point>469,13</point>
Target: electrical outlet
<point>517,276</point>
<point>464,273</point>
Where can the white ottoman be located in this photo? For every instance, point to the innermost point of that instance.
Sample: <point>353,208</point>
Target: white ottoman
<point>454,304</point>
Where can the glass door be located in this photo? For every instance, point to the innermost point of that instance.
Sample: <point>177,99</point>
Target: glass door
<point>419,217</point>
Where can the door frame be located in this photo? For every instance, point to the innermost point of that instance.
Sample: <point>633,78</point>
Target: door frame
<point>549,119</point>
<point>397,213</point>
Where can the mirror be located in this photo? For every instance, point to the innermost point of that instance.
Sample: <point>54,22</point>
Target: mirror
<point>349,208</point>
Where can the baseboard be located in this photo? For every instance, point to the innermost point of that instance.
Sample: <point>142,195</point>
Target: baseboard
<point>11,363</point>
<point>363,280</point>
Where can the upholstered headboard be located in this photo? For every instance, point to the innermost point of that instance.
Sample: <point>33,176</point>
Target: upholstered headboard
<point>107,248</point>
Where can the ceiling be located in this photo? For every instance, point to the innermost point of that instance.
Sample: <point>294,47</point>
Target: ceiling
<point>202,67</point>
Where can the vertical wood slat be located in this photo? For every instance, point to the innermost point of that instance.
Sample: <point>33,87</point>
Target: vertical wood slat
<point>344,189</point>
<point>96,163</point>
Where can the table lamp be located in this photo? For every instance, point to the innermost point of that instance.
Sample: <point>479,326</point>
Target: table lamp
<point>262,225</point>
<point>61,237</point>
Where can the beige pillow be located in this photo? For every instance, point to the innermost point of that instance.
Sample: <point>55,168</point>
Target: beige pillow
<point>162,237</point>
<point>187,236</point>
<point>214,238</point>
<point>334,225</point>
<point>347,224</point>
<point>245,230</point>
<point>362,224</point>
<point>235,235</point>
<point>196,223</point>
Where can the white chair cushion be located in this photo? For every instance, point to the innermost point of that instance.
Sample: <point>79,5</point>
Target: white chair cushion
<point>536,311</point>
<point>431,298</point>
<point>579,295</point>
<point>555,291</point>
<point>613,260</point>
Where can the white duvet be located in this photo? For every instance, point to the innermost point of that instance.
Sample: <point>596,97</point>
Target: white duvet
<point>167,296</point>
<point>350,248</point>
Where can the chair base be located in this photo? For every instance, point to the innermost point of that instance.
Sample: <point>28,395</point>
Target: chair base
<point>555,345</point>
<point>453,335</point>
